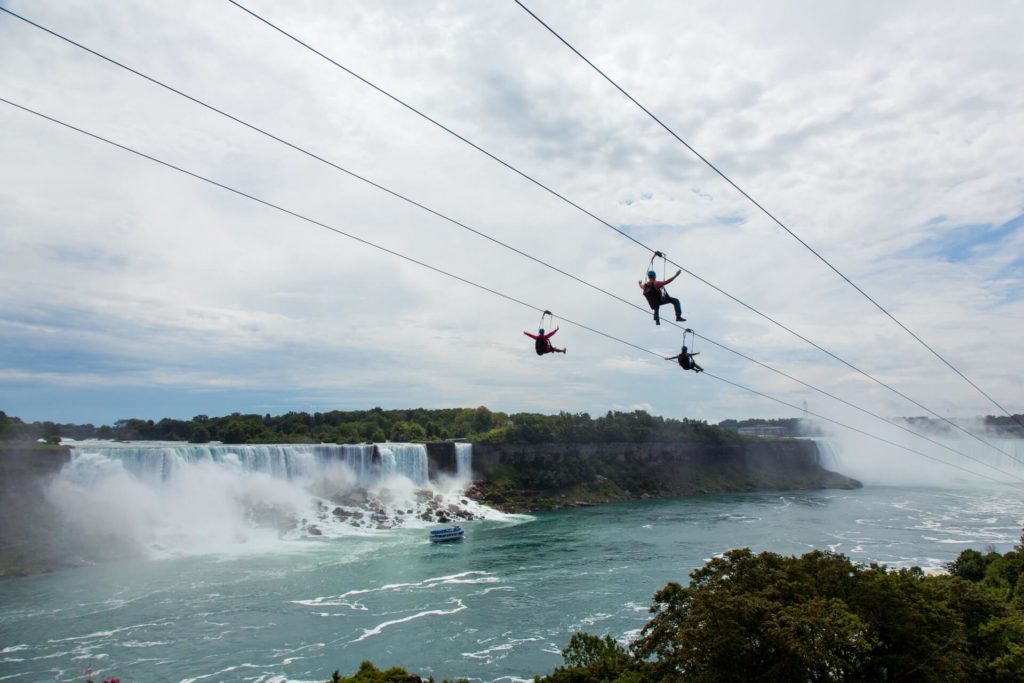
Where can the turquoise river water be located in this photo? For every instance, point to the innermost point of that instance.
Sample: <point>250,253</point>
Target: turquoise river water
<point>496,607</point>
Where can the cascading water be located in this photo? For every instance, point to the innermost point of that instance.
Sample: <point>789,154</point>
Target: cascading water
<point>464,461</point>
<point>173,498</point>
<point>406,459</point>
<point>955,461</point>
<point>158,462</point>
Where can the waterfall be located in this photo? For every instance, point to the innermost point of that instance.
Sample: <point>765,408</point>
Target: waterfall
<point>163,499</point>
<point>162,462</point>
<point>407,459</point>
<point>464,460</point>
<point>828,457</point>
<point>952,460</point>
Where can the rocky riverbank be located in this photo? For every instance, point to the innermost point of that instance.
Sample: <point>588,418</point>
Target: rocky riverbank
<point>28,523</point>
<point>531,477</point>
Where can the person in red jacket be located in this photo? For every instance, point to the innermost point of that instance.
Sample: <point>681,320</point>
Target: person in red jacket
<point>542,342</point>
<point>657,296</point>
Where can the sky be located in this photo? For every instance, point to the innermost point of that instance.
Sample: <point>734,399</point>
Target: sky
<point>888,136</point>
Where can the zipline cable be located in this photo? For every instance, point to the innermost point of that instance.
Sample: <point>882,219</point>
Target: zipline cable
<point>607,224</point>
<point>446,273</point>
<point>763,209</point>
<point>509,247</point>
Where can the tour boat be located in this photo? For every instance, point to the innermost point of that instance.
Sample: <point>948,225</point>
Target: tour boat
<point>454,533</point>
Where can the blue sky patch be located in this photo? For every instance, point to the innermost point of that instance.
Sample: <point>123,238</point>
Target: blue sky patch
<point>968,241</point>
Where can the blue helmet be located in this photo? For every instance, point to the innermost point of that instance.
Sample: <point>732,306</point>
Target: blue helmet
<point>541,331</point>
<point>684,348</point>
<point>651,273</point>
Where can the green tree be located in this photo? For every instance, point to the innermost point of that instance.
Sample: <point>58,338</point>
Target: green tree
<point>50,433</point>
<point>6,427</point>
<point>408,431</point>
<point>820,617</point>
<point>199,434</point>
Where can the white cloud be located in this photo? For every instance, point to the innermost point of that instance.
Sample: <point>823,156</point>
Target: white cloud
<point>858,125</point>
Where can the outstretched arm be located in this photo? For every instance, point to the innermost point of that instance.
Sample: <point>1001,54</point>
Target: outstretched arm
<point>531,336</point>
<point>676,357</point>
<point>551,334</point>
<point>673,277</point>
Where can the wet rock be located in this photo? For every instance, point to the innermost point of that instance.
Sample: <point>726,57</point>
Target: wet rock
<point>314,530</point>
<point>273,517</point>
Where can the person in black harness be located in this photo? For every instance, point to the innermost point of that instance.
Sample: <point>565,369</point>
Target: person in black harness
<point>542,342</point>
<point>686,361</point>
<point>657,296</point>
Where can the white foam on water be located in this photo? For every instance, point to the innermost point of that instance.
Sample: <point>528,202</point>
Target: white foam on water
<point>629,636</point>
<point>485,591</point>
<point>590,620</point>
<point>499,651</point>
<point>379,628</point>
<point>485,577</point>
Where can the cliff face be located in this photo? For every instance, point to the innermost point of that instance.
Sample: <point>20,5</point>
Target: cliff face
<point>541,476</point>
<point>28,523</point>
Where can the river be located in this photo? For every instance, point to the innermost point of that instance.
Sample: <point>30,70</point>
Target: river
<point>499,606</point>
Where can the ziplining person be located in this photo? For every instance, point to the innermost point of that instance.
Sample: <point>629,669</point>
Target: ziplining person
<point>685,357</point>
<point>542,342</point>
<point>655,292</point>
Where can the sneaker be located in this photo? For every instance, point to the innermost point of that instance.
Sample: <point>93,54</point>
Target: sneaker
<point>680,320</point>
<point>657,322</point>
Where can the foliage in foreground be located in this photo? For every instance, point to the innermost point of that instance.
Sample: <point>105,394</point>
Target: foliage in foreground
<point>818,617</point>
<point>368,673</point>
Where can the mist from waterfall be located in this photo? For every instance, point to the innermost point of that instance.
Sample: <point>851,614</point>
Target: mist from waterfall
<point>955,459</point>
<point>170,499</point>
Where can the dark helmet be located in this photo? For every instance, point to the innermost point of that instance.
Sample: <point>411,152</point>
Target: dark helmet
<point>684,348</point>
<point>541,331</point>
<point>651,273</point>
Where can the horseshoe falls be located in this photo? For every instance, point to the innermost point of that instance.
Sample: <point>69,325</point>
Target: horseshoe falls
<point>943,461</point>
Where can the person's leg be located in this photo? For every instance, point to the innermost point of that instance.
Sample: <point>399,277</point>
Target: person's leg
<point>679,311</point>
<point>657,317</point>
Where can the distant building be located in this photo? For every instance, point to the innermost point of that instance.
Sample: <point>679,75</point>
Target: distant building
<point>763,430</point>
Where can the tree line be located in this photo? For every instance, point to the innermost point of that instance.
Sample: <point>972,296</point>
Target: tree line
<point>379,425</point>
